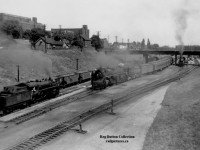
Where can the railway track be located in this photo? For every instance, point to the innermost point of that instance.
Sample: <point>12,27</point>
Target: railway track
<point>49,107</point>
<point>73,88</point>
<point>62,92</point>
<point>67,125</point>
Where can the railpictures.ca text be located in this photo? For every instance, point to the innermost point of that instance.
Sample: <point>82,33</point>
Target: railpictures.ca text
<point>117,138</point>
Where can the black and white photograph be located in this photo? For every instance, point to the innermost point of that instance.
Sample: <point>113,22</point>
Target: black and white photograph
<point>99,75</point>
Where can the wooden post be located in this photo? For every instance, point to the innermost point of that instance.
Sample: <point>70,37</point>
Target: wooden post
<point>175,59</point>
<point>45,45</point>
<point>17,73</point>
<point>77,64</point>
<point>112,104</point>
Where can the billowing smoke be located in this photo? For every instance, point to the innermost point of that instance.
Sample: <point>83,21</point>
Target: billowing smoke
<point>33,64</point>
<point>181,22</point>
<point>187,9</point>
<point>116,59</point>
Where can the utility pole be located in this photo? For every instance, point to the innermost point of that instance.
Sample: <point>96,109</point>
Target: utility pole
<point>98,33</point>
<point>108,38</point>
<point>45,50</point>
<point>17,73</point>
<point>116,38</point>
<point>77,64</point>
<point>122,40</point>
<point>60,28</point>
<point>128,43</point>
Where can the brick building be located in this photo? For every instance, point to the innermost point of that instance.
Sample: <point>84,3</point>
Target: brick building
<point>83,33</point>
<point>25,22</point>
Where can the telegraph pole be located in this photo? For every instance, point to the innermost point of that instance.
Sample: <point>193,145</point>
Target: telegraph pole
<point>122,40</point>
<point>128,43</point>
<point>108,38</point>
<point>116,38</point>
<point>98,33</point>
<point>77,64</point>
<point>45,50</point>
<point>17,73</point>
<point>60,28</point>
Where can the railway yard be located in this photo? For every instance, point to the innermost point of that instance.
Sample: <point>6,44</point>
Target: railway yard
<point>100,75</point>
<point>86,119</point>
<point>113,107</point>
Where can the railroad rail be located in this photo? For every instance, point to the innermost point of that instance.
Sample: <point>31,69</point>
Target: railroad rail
<point>62,92</point>
<point>49,107</point>
<point>73,88</point>
<point>67,125</point>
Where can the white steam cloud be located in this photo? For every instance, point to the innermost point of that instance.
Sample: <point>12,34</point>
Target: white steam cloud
<point>186,11</point>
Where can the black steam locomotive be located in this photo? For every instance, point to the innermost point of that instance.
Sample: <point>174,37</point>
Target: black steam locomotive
<point>104,77</point>
<point>24,94</point>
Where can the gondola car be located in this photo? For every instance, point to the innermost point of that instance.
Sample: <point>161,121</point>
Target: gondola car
<point>73,79</point>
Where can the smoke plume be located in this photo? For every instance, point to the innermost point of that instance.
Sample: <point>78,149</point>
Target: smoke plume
<point>114,59</point>
<point>33,64</point>
<point>181,24</point>
<point>187,9</point>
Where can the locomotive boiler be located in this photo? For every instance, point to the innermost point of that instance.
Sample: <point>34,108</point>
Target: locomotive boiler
<point>24,94</point>
<point>104,77</point>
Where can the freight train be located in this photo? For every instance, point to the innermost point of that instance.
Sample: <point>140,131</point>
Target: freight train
<point>104,77</point>
<point>25,94</point>
<point>73,79</point>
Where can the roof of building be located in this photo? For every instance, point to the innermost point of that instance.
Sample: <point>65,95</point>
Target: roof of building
<point>50,41</point>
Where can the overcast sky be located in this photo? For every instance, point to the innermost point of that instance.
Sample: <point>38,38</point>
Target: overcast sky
<point>133,19</point>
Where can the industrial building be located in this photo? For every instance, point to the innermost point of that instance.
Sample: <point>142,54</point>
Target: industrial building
<point>83,33</point>
<point>25,22</point>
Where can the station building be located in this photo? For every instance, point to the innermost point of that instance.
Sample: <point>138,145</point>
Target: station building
<point>25,22</point>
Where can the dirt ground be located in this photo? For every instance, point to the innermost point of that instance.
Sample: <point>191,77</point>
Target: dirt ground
<point>176,126</point>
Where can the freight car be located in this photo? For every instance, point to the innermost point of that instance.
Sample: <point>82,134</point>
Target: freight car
<point>103,77</point>
<point>73,79</point>
<point>24,94</point>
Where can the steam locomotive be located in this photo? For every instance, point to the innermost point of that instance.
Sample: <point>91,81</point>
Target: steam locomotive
<point>25,94</point>
<point>104,77</point>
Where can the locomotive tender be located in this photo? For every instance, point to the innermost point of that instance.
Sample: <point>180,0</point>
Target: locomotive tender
<point>104,77</point>
<point>25,94</point>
